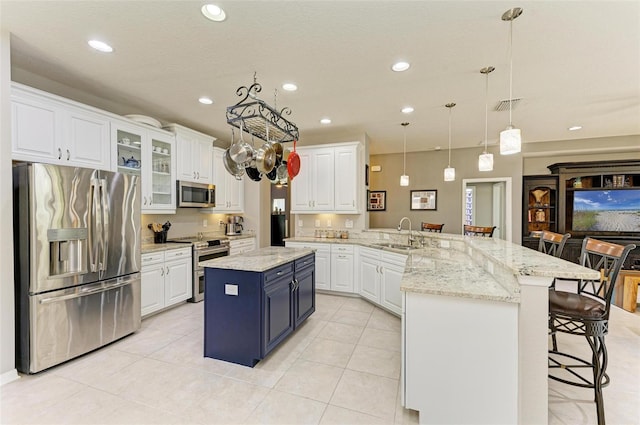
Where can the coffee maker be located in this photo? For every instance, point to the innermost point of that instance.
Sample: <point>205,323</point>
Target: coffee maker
<point>234,225</point>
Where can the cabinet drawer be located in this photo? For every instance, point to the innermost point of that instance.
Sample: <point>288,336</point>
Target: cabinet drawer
<point>277,273</point>
<point>342,249</point>
<point>152,258</point>
<point>305,261</point>
<point>175,254</point>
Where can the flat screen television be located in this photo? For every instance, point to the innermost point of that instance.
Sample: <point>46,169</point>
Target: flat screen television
<point>606,211</point>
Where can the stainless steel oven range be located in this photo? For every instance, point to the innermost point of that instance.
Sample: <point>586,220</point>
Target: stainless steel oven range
<point>203,250</point>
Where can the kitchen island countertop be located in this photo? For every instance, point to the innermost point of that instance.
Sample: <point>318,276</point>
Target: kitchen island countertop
<point>258,260</point>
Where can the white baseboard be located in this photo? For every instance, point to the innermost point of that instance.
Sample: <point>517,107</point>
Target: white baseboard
<point>9,376</point>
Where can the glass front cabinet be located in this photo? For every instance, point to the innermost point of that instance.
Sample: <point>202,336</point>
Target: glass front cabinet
<point>150,154</point>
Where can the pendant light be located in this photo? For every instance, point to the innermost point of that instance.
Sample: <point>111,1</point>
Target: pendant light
<point>485,160</point>
<point>404,178</point>
<point>449,172</point>
<point>510,138</point>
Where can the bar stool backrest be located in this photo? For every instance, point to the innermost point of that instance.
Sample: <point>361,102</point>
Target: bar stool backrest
<point>606,257</point>
<point>429,227</point>
<point>479,230</point>
<point>552,243</point>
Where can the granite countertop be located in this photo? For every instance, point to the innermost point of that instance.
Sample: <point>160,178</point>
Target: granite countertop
<point>258,260</point>
<point>464,266</point>
<point>241,236</point>
<point>147,248</point>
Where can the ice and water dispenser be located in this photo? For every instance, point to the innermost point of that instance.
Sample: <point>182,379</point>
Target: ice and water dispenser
<point>67,251</point>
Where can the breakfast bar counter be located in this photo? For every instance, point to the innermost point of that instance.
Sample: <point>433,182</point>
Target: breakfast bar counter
<point>475,332</point>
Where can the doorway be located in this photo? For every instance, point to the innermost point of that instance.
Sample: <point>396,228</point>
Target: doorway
<point>487,202</point>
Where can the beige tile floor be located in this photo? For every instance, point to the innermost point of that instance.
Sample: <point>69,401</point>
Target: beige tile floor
<point>341,367</point>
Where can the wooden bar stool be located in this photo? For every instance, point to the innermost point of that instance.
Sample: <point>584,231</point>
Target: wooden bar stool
<point>429,227</point>
<point>479,230</point>
<point>585,312</point>
<point>552,243</point>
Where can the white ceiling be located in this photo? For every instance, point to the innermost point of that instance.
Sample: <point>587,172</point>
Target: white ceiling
<point>575,63</point>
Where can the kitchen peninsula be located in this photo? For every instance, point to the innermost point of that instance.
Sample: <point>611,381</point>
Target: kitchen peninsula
<point>254,300</point>
<point>474,324</point>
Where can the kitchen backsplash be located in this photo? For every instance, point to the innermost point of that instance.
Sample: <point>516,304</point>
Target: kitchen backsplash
<point>311,222</point>
<point>186,222</point>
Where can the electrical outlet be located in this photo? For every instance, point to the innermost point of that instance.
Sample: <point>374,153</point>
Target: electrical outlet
<point>444,244</point>
<point>348,224</point>
<point>317,223</point>
<point>205,223</point>
<point>328,223</point>
<point>300,223</point>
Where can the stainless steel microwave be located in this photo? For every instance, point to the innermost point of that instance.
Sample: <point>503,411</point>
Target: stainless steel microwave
<point>196,195</point>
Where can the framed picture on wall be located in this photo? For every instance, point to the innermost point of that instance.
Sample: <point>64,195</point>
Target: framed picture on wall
<point>424,200</point>
<point>377,200</point>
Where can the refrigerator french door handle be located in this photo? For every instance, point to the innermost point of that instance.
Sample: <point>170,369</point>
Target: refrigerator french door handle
<point>105,223</point>
<point>99,233</point>
<point>93,243</point>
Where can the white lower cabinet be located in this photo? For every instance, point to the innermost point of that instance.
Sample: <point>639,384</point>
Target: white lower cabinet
<point>166,279</point>
<point>342,268</point>
<point>323,262</point>
<point>239,246</point>
<point>380,274</point>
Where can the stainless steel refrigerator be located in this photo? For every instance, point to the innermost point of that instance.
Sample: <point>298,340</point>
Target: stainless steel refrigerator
<point>77,261</point>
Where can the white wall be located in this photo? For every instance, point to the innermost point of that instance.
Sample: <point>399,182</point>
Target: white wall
<point>7,319</point>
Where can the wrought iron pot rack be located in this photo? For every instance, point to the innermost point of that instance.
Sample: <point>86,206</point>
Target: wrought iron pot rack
<point>256,117</point>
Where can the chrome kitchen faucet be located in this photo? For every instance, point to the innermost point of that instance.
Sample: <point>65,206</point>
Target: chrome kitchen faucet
<point>410,240</point>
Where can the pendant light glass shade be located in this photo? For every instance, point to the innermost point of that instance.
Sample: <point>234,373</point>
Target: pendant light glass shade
<point>449,172</point>
<point>485,160</point>
<point>510,141</point>
<point>404,178</point>
<point>510,138</point>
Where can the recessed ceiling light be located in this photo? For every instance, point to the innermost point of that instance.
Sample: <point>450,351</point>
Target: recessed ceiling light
<point>575,127</point>
<point>213,12</point>
<point>101,46</point>
<point>325,121</point>
<point>289,87</point>
<point>205,100</point>
<point>400,66</point>
<point>407,110</point>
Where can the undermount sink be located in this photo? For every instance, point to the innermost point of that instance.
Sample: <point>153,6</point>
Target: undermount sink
<point>397,246</point>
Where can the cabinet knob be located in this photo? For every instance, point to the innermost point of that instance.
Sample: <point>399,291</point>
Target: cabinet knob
<point>162,271</point>
<point>198,173</point>
<point>59,153</point>
<point>68,154</point>
<point>167,271</point>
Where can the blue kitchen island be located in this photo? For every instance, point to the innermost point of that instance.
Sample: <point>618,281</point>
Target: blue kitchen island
<point>254,300</point>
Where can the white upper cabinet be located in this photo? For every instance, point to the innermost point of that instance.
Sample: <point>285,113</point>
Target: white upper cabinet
<point>149,153</point>
<point>331,179</point>
<point>313,187</point>
<point>229,190</point>
<point>51,129</point>
<point>348,179</point>
<point>194,155</point>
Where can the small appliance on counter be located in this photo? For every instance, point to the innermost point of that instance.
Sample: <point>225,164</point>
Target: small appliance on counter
<point>234,225</point>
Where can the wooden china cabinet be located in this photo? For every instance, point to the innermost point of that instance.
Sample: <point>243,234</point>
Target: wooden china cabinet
<point>539,207</point>
<point>548,203</point>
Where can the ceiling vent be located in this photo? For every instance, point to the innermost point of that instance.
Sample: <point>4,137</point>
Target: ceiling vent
<point>504,104</point>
